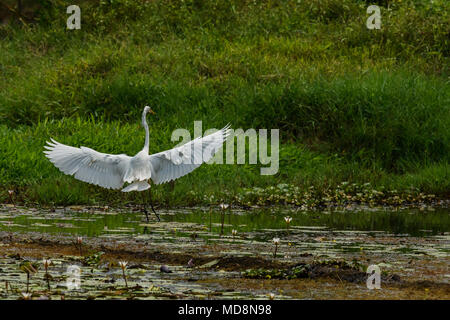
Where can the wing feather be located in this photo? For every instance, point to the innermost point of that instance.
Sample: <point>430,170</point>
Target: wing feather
<point>88,165</point>
<point>177,162</point>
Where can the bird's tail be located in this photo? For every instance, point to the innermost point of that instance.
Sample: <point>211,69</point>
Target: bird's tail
<point>137,186</point>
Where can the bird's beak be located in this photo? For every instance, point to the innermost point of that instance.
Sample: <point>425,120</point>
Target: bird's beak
<point>151,111</point>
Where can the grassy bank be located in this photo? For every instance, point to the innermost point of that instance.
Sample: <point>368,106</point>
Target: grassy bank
<point>353,105</point>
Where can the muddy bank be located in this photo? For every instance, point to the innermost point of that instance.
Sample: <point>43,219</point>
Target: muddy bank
<point>39,246</point>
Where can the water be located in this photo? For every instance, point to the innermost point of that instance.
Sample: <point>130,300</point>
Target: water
<point>411,243</point>
<point>413,222</point>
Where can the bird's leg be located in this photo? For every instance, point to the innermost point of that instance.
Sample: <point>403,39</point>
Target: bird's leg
<point>145,208</point>
<point>151,205</point>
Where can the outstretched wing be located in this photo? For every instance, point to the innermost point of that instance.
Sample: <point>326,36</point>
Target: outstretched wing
<point>88,165</point>
<point>177,162</point>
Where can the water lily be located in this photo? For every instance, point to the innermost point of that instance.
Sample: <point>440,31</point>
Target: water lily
<point>11,193</point>
<point>123,265</point>
<point>79,243</point>
<point>234,233</point>
<point>276,242</point>
<point>46,263</point>
<point>223,206</point>
<point>271,296</point>
<point>10,235</point>
<point>288,222</point>
<point>26,296</point>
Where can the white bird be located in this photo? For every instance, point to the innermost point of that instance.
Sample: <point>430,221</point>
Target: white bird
<point>113,171</point>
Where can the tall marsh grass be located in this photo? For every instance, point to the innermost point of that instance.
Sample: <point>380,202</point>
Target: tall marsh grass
<point>352,104</point>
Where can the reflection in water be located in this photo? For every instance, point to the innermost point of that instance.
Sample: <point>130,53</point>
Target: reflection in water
<point>92,223</point>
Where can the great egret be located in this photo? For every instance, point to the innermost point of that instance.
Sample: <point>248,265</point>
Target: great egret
<point>113,171</point>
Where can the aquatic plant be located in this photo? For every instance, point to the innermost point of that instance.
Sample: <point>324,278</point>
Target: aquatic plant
<point>93,259</point>
<point>123,265</point>
<point>26,295</point>
<point>223,207</point>
<point>339,269</point>
<point>79,244</point>
<point>30,268</point>
<point>276,242</point>
<point>46,263</point>
<point>10,194</point>
<point>344,193</point>
<point>8,224</point>
<point>6,286</point>
<point>288,221</point>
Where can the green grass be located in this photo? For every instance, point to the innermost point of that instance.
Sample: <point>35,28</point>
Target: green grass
<point>351,104</point>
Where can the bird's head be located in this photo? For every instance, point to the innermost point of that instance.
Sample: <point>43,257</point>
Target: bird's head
<point>147,109</point>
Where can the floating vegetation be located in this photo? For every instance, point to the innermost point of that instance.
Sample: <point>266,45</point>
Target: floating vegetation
<point>311,198</point>
<point>92,259</point>
<point>349,271</point>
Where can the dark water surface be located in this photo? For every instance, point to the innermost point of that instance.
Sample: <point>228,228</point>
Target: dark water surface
<point>88,222</point>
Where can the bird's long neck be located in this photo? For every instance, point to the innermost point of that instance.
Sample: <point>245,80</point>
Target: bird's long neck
<point>147,134</point>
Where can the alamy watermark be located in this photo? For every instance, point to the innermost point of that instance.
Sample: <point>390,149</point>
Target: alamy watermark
<point>73,281</point>
<point>200,151</point>
<point>74,20</point>
<point>374,278</point>
<point>374,20</point>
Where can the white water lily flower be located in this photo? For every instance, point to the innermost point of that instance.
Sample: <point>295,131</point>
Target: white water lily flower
<point>288,219</point>
<point>276,241</point>
<point>79,240</point>
<point>26,296</point>
<point>234,232</point>
<point>46,263</point>
<point>271,296</point>
<point>123,264</point>
<point>223,206</point>
<point>10,192</point>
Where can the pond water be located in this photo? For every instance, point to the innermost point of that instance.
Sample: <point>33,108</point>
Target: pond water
<point>413,244</point>
<point>91,222</point>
